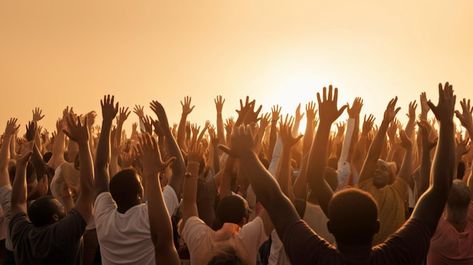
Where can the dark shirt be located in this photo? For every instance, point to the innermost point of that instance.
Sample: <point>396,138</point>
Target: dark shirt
<point>59,243</point>
<point>409,245</point>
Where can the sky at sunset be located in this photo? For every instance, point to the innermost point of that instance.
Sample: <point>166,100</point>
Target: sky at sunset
<point>55,53</point>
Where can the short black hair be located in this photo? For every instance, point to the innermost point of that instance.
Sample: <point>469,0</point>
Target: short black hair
<point>42,210</point>
<point>232,209</point>
<point>353,216</point>
<point>125,186</point>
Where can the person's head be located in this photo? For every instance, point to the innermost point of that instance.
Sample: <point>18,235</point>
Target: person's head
<point>384,173</point>
<point>126,189</point>
<point>353,217</point>
<point>458,202</point>
<point>227,256</point>
<point>233,209</point>
<point>45,211</point>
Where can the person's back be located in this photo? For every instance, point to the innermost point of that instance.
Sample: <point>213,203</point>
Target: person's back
<point>58,243</point>
<point>452,242</point>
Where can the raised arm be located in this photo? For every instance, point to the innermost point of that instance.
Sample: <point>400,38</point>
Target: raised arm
<point>181,130</point>
<point>426,147</point>
<point>178,167</point>
<point>102,161</point>
<point>376,147</point>
<point>59,144</point>
<point>405,172</point>
<point>10,130</point>
<point>267,190</point>
<point>219,101</point>
<point>19,193</point>
<point>121,118</point>
<point>189,199</point>
<point>431,204</point>
<point>328,113</point>
<point>288,141</point>
<point>275,112</point>
<point>79,133</point>
<point>159,220</point>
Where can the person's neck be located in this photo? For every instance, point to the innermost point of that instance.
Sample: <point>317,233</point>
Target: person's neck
<point>459,225</point>
<point>227,231</point>
<point>124,208</point>
<point>355,252</point>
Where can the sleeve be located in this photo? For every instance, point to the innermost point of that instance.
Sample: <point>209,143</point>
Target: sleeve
<point>252,234</point>
<point>70,228</point>
<point>194,233</point>
<point>409,245</point>
<point>170,199</point>
<point>304,247</point>
<point>104,203</point>
<point>277,152</point>
<point>17,227</point>
<point>5,201</point>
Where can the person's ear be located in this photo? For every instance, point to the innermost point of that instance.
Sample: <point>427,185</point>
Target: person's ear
<point>55,217</point>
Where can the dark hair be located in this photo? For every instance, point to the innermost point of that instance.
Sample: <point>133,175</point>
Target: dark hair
<point>42,210</point>
<point>232,209</point>
<point>226,257</point>
<point>125,187</point>
<point>353,216</point>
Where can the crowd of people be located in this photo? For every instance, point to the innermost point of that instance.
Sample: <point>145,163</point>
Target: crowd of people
<point>249,190</point>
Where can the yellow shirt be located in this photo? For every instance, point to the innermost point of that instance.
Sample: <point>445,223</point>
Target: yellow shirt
<point>391,206</point>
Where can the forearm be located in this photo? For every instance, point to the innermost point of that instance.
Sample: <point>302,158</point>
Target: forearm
<point>374,152</point>
<point>220,129</point>
<point>19,194</point>
<point>308,137</point>
<point>284,172</point>
<point>189,198</point>
<point>103,159</point>
<point>159,220</point>
<point>425,166</point>
<point>300,185</point>
<point>317,164</point>
<point>181,131</point>
<point>178,166</point>
<point>267,190</point>
<point>86,177</point>
<point>225,186</point>
<point>272,137</point>
<point>4,158</point>
<point>58,150</point>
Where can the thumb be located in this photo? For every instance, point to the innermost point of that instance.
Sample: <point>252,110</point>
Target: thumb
<point>227,150</point>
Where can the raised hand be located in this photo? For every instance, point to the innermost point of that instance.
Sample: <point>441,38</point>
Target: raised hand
<point>158,109</point>
<point>147,123</point>
<point>123,115</point>
<point>242,142</point>
<point>412,111</point>
<point>264,121</point>
<point>428,141</point>
<point>275,113</point>
<point>391,111</point>
<point>328,110</point>
<point>446,104</point>
<point>465,117</point>
<point>219,101</point>
<point>424,107</point>
<point>462,147</point>
<point>37,114</point>
<point>31,128</point>
<point>11,127</point>
<point>285,132</point>
<point>368,124</point>
<point>406,143</point>
<point>91,118</point>
<point>392,130</point>
<point>196,154</point>
<point>310,110</point>
<point>355,109</point>
<point>139,111</point>
<point>186,106</point>
<point>299,115</point>
<point>109,108</point>
<point>77,131</point>
<point>150,156</point>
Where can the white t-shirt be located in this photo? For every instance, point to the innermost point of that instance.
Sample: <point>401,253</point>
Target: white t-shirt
<point>200,240</point>
<point>125,238</point>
